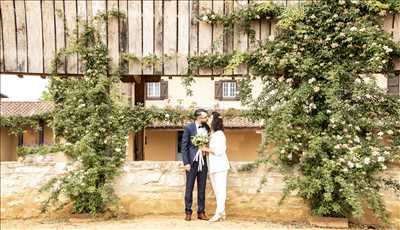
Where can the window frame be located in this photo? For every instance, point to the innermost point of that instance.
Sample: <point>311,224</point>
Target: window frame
<point>390,85</point>
<point>150,97</point>
<point>229,84</point>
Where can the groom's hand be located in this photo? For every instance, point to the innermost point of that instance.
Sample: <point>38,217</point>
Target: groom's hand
<point>187,167</point>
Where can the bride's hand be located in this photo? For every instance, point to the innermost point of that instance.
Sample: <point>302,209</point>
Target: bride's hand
<point>204,149</point>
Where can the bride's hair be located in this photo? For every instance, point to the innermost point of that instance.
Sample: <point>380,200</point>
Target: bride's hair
<point>217,122</point>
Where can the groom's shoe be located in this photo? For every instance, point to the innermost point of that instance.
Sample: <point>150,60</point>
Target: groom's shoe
<point>188,217</point>
<point>202,216</point>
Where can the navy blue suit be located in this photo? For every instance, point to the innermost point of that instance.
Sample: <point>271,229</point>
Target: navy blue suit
<point>188,153</point>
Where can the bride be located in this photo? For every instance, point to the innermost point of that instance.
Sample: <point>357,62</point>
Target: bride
<point>218,164</point>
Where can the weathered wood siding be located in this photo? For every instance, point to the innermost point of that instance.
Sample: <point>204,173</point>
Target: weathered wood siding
<point>32,31</point>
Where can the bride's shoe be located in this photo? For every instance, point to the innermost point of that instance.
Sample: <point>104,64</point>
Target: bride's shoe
<point>223,216</point>
<point>217,217</point>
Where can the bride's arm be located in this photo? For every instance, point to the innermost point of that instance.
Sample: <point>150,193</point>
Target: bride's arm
<point>219,148</point>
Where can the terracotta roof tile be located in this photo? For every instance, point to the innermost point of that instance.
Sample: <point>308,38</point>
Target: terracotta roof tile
<point>236,122</point>
<point>26,108</point>
<point>12,108</point>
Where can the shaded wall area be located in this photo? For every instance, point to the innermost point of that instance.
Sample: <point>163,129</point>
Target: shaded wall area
<point>30,137</point>
<point>164,144</point>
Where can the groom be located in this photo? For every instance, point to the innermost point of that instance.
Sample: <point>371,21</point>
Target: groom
<point>191,165</point>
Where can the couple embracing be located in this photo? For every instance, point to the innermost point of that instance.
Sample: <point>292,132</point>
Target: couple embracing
<point>199,159</point>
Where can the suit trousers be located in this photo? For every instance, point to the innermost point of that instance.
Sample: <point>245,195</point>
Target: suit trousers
<point>219,183</point>
<point>191,177</point>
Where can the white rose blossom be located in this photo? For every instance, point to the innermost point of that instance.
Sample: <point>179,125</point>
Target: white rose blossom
<point>271,38</point>
<point>387,49</point>
<point>334,45</point>
<point>350,164</point>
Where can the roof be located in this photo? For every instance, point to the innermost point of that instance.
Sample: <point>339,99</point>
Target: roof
<point>25,108</point>
<point>13,108</point>
<point>3,95</point>
<point>231,122</point>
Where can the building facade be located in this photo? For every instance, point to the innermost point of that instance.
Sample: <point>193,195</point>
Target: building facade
<point>161,141</point>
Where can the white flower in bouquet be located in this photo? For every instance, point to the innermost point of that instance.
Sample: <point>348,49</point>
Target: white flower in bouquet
<point>200,139</point>
<point>387,49</point>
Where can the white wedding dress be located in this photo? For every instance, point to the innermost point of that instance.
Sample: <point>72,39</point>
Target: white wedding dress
<point>218,166</point>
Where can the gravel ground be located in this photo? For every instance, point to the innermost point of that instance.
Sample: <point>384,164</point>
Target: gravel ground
<point>147,222</point>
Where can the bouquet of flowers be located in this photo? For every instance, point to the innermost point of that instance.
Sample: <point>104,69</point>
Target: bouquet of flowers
<point>200,140</point>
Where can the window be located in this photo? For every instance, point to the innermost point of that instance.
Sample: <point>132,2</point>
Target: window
<point>226,90</point>
<point>229,89</point>
<point>153,90</point>
<point>157,90</point>
<point>394,85</point>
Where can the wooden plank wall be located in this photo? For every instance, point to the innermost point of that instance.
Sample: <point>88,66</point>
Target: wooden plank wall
<point>32,31</point>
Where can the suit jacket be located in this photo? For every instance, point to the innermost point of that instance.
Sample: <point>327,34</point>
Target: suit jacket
<point>188,149</point>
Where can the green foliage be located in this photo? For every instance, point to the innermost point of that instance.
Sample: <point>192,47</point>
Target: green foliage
<point>85,116</point>
<point>94,126</point>
<point>45,96</point>
<point>383,7</point>
<point>18,124</point>
<point>323,110</point>
<point>106,15</point>
<point>227,62</point>
<point>321,106</point>
<point>42,149</point>
<point>244,16</point>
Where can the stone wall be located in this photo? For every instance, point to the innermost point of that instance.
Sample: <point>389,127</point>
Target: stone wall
<point>157,188</point>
